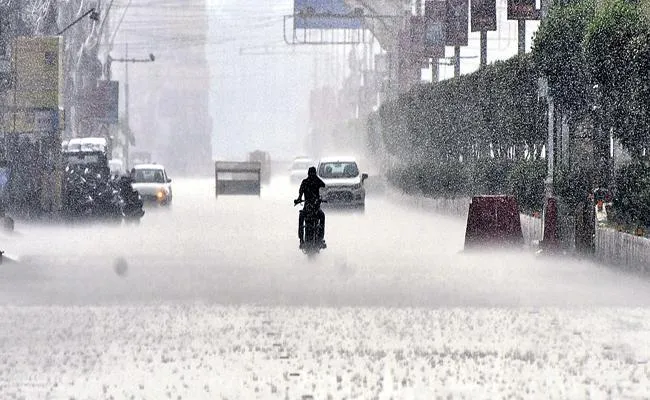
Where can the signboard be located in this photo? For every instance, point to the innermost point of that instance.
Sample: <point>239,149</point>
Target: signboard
<point>5,26</point>
<point>37,62</point>
<point>523,10</point>
<point>31,121</point>
<point>457,21</point>
<point>324,14</point>
<point>434,37</point>
<point>4,178</point>
<point>104,102</point>
<point>418,30</point>
<point>484,15</point>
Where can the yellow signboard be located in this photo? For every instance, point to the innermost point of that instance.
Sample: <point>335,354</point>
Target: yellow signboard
<point>38,70</point>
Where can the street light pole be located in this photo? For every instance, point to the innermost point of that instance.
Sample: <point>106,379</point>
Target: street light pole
<point>127,61</point>
<point>127,124</point>
<point>94,15</point>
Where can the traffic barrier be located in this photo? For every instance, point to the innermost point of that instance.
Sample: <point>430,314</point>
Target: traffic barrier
<point>493,221</point>
<point>551,240</point>
<point>459,206</point>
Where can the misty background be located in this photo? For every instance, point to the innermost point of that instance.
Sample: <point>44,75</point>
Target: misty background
<point>224,76</point>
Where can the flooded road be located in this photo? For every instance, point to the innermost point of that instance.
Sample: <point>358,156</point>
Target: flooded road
<point>212,299</point>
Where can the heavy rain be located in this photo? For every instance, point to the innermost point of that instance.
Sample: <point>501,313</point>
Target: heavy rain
<point>481,168</point>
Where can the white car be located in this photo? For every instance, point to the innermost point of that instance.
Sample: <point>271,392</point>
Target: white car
<point>153,184</point>
<point>344,184</point>
<point>299,167</point>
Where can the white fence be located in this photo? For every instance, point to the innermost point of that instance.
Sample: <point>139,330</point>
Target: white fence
<point>623,250</point>
<point>615,248</point>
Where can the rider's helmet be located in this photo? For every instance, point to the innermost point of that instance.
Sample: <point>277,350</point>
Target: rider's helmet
<point>311,172</point>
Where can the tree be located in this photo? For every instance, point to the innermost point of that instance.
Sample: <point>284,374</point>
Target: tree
<point>558,55</point>
<point>617,58</point>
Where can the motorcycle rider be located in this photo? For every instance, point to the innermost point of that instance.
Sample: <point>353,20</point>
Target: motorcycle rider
<point>310,188</point>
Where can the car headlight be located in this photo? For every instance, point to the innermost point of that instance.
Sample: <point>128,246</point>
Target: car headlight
<point>356,187</point>
<point>161,194</point>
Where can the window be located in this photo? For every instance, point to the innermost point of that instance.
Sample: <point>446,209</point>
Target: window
<point>338,170</point>
<point>149,176</point>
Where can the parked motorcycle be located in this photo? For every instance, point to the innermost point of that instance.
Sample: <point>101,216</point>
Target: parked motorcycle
<point>131,201</point>
<point>77,200</point>
<point>93,195</point>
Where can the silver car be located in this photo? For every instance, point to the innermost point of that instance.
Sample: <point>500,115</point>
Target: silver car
<point>344,184</point>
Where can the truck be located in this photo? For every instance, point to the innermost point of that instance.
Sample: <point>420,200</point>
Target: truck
<point>89,152</point>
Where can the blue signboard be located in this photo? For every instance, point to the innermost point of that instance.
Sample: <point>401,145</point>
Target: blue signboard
<point>4,178</point>
<point>457,19</point>
<point>434,38</point>
<point>324,14</point>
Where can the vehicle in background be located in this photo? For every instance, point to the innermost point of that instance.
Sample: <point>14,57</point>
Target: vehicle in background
<point>152,183</point>
<point>299,167</point>
<point>344,184</point>
<point>237,178</point>
<point>116,166</point>
<point>86,144</point>
<point>87,153</point>
<point>264,158</point>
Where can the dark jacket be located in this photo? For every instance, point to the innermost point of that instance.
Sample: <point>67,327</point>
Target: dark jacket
<point>310,187</point>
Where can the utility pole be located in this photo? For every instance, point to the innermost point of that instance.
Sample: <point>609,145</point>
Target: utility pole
<point>543,83</point>
<point>456,61</point>
<point>521,36</point>
<point>435,74</point>
<point>483,60</point>
<point>127,125</point>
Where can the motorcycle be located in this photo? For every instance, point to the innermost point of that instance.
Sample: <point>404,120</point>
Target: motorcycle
<point>311,227</point>
<point>78,201</point>
<point>131,201</point>
<point>92,195</point>
<point>106,202</point>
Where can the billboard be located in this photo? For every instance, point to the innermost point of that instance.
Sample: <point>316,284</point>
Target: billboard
<point>417,32</point>
<point>434,37</point>
<point>103,102</point>
<point>457,20</point>
<point>484,15</point>
<point>37,62</point>
<point>324,14</point>
<point>523,10</point>
<point>31,121</point>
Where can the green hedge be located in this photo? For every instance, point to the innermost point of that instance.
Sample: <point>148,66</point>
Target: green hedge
<point>484,132</point>
<point>471,135</point>
<point>462,117</point>
<point>632,197</point>
<point>523,179</point>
